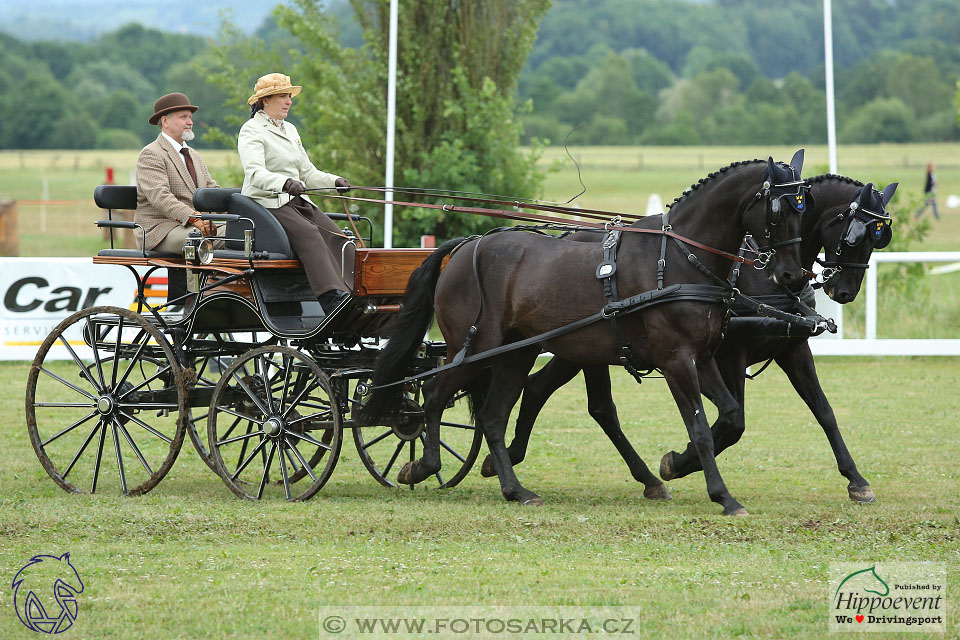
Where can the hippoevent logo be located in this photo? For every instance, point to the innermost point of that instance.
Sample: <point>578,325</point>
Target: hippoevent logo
<point>45,594</point>
<point>906,596</point>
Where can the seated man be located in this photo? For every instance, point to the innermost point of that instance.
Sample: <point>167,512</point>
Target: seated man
<point>168,173</point>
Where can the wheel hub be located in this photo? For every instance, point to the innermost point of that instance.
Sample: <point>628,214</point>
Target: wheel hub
<point>410,422</point>
<point>105,405</point>
<point>273,427</point>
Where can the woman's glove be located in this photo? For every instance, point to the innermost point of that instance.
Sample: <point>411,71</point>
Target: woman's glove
<point>294,187</point>
<point>342,185</point>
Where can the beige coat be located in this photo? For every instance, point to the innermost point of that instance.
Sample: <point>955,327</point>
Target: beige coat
<point>165,190</point>
<point>270,156</point>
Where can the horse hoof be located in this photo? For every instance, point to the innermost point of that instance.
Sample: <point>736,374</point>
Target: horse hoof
<point>406,474</point>
<point>738,511</point>
<point>535,501</point>
<point>666,466</point>
<point>863,495</point>
<point>488,470</point>
<point>658,492</point>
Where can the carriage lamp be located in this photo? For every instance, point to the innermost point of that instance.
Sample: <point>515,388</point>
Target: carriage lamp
<point>197,249</point>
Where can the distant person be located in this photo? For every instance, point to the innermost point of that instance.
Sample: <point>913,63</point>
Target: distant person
<point>277,171</point>
<point>930,193</point>
<point>168,173</point>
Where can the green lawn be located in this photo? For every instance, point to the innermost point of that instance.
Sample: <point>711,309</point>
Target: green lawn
<point>190,560</point>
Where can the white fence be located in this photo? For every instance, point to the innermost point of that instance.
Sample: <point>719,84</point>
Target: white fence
<point>837,345</point>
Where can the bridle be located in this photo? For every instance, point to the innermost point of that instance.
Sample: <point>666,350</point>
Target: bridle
<point>774,193</point>
<point>857,221</point>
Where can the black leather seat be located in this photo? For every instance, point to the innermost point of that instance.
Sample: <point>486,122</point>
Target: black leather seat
<point>123,197</point>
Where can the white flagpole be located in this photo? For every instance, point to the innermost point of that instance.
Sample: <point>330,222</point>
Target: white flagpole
<point>828,69</point>
<point>391,126</point>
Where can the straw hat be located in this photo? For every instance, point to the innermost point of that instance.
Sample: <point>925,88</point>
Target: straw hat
<point>168,103</point>
<point>272,84</point>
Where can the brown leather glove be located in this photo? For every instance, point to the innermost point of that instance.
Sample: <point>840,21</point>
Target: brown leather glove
<point>294,187</point>
<point>342,185</point>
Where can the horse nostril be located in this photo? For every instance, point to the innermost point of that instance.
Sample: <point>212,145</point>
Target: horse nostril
<point>788,277</point>
<point>843,297</point>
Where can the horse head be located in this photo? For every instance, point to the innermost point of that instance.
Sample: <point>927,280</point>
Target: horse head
<point>45,593</point>
<point>850,237</point>
<point>773,218</point>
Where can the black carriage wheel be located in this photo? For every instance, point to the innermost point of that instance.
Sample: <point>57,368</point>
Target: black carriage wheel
<point>118,388</point>
<point>274,412</point>
<point>383,450</point>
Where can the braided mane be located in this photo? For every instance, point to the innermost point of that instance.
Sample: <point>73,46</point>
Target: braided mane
<point>833,176</point>
<point>702,181</point>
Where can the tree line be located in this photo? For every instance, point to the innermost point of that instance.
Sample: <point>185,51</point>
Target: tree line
<point>600,71</point>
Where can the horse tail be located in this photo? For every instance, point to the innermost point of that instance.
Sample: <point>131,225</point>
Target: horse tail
<point>410,326</point>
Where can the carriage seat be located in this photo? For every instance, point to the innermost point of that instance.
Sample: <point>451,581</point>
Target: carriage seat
<point>123,197</point>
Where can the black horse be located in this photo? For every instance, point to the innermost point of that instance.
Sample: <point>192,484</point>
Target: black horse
<point>844,217</point>
<point>531,284</point>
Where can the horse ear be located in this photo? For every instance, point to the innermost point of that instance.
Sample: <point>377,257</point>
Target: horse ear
<point>888,192</point>
<point>797,162</point>
<point>66,556</point>
<point>770,166</point>
<point>865,192</point>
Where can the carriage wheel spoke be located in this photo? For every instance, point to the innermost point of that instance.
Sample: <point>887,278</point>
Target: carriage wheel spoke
<point>96,355</point>
<point>450,449</point>
<point>264,365</point>
<point>69,384</point>
<point>243,447</point>
<point>116,359</point>
<point>303,462</point>
<point>312,416</point>
<point>311,440</point>
<point>239,415</point>
<point>232,426</point>
<point>283,472</point>
<point>83,367</point>
<point>377,439</point>
<point>147,427</point>
<point>459,425</point>
<point>288,366</point>
<point>251,394</point>
<point>266,471</point>
<point>65,405</point>
<point>68,429</point>
<point>133,445</point>
<point>253,454</point>
<point>82,449</point>
<point>147,381</point>
<point>249,434</point>
<point>136,356</point>
<point>413,455</point>
<point>393,458</point>
<point>296,401</point>
<point>96,466</point>
<point>116,447</point>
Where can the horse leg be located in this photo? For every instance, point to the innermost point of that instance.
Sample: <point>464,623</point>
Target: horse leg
<point>436,392</point>
<point>798,364</point>
<point>536,391</point>
<point>601,407</point>
<point>723,384</point>
<point>681,376</point>
<point>509,375</point>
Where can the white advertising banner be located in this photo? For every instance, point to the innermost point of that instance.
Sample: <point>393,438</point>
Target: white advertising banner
<point>36,294</point>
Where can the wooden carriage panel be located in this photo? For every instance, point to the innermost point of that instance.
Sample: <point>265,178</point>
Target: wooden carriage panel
<point>385,272</point>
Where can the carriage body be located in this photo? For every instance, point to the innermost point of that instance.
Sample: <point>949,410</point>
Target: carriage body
<point>243,361</point>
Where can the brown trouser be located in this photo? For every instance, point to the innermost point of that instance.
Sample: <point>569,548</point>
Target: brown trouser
<point>317,242</point>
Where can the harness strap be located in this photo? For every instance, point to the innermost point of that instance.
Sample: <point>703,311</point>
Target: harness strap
<point>662,262</point>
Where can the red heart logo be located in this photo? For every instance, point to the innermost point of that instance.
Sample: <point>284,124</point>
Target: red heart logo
<point>859,618</point>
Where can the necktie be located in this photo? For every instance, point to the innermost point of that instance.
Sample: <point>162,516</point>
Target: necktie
<point>190,167</point>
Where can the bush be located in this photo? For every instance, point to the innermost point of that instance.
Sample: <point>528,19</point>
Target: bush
<point>118,139</point>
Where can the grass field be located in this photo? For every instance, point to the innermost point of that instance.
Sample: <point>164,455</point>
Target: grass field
<point>190,560</point>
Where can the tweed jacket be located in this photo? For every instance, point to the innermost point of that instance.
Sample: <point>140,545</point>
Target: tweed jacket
<point>270,156</point>
<point>165,190</point>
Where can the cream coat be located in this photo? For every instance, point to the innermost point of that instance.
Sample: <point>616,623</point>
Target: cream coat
<point>269,157</point>
<point>165,190</point>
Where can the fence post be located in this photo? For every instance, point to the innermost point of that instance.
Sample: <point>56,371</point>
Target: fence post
<point>9,238</point>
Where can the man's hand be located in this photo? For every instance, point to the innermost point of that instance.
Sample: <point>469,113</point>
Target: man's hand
<point>294,187</point>
<point>342,185</point>
<point>206,227</point>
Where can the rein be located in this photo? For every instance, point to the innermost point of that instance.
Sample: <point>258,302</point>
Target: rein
<point>538,218</point>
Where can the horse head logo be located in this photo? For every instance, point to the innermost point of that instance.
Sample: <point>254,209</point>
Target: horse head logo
<point>867,580</point>
<point>45,593</point>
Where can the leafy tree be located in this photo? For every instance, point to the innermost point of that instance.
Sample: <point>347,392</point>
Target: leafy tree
<point>649,73</point>
<point>457,124</point>
<point>883,120</point>
<point>73,131</point>
<point>916,82</point>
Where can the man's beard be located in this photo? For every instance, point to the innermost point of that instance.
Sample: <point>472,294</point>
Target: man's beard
<point>187,135</point>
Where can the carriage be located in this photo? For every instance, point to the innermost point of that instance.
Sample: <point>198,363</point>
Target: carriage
<point>239,357</point>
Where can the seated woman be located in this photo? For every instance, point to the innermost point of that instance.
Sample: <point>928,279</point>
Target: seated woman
<point>276,171</point>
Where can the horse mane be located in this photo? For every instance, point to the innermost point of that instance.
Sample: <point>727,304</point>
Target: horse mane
<point>702,181</point>
<point>833,176</point>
